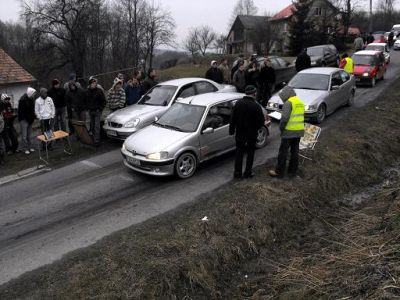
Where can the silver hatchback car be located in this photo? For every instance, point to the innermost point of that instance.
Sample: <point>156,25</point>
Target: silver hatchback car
<point>322,90</point>
<point>125,121</point>
<point>192,131</point>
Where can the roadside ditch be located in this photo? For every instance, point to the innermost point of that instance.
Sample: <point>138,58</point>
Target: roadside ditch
<point>264,238</point>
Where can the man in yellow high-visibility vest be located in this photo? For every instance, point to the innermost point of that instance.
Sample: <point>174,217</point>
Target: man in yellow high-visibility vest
<point>292,129</point>
<point>347,64</point>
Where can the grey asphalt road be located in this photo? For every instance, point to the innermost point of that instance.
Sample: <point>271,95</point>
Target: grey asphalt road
<point>46,216</point>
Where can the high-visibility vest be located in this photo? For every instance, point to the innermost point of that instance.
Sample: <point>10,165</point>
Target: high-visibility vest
<point>296,120</point>
<point>349,65</point>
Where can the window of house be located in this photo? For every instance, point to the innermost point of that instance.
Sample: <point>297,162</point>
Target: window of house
<point>318,11</point>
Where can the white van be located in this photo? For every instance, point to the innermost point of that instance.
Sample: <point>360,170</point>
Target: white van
<point>396,28</point>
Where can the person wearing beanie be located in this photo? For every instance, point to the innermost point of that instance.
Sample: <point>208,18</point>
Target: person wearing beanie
<point>9,134</point>
<point>246,119</point>
<point>57,94</point>
<point>150,80</point>
<point>95,102</point>
<point>291,127</point>
<point>116,98</point>
<point>214,73</point>
<point>26,116</point>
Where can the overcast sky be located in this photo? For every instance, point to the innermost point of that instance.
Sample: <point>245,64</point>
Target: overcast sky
<point>187,13</point>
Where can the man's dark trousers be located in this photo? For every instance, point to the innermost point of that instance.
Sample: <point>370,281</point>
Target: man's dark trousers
<point>293,144</point>
<point>242,147</point>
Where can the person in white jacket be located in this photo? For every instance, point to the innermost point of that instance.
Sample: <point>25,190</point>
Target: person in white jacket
<point>44,110</point>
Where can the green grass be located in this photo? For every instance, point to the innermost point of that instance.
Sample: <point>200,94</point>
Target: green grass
<point>182,71</point>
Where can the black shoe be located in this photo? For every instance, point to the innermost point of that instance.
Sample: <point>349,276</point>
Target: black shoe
<point>237,176</point>
<point>248,175</point>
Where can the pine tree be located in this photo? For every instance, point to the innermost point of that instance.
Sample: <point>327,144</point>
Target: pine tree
<point>300,27</point>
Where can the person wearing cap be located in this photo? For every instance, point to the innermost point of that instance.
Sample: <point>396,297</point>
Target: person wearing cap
<point>292,129</point>
<point>95,102</point>
<point>57,94</point>
<point>10,136</point>
<point>26,116</point>
<point>246,119</point>
<point>215,74</point>
<point>150,80</point>
<point>116,98</point>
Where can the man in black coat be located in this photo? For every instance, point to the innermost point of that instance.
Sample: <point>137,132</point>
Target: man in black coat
<point>57,94</point>
<point>266,82</point>
<point>303,61</point>
<point>26,116</point>
<point>215,74</point>
<point>95,103</point>
<point>247,118</point>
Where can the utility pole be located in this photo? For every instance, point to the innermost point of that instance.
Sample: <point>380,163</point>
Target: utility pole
<point>370,16</point>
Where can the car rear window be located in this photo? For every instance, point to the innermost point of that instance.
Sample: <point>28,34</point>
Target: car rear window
<point>367,60</point>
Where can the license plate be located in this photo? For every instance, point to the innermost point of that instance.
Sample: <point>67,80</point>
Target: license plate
<point>112,133</point>
<point>133,161</point>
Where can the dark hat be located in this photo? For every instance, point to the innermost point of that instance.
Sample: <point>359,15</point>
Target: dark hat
<point>72,76</point>
<point>55,82</point>
<point>250,90</point>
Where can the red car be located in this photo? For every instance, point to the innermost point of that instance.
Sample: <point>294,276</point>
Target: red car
<point>379,38</point>
<point>369,66</point>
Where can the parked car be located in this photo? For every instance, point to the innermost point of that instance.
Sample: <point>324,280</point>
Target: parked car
<point>192,131</point>
<point>383,47</point>
<point>284,70</point>
<point>323,56</point>
<point>396,45</point>
<point>322,90</point>
<point>124,122</point>
<point>378,38</point>
<point>369,66</point>
<point>386,36</point>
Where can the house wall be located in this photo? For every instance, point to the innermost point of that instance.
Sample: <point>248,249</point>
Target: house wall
<point>15,91</point>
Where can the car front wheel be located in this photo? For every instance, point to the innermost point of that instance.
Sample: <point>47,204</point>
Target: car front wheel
<point>262,137</point>
<point>321,113</point>
<point>185,165</point>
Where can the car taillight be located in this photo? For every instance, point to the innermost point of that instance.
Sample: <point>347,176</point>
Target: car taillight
<point>267,120</point>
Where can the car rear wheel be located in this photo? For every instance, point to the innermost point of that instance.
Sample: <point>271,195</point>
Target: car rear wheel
<point>321,113</point>
<point>262,137</point>
<point>185,165</point>
<point>350,102</point>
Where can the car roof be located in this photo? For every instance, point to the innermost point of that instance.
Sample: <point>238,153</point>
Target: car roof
<point>377,44</point>
<point>367,52</point>
<point>183,81</point>
<point>210,98</point>
<point>320,70</point>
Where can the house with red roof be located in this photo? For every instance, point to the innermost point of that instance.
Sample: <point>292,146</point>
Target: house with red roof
<point>322,12</point>
<point>14,79</point>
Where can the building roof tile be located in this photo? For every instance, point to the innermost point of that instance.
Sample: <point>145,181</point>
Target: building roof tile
<point>11,72</point>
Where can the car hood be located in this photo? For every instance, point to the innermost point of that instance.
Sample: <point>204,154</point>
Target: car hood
<point>309,97</point>
<point>143,141</point>
<point>226,88</point>
<point>134,111</point>
<point>315,57</point>
<point>359,69</point>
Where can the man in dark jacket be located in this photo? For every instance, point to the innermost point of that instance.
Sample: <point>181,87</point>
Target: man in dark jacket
<point>10,135</point>
<point>303,61</point>
<point>26,116</point>
<point>247,118</point>
<point>76,102</point>
<point>57,94</point>
<point>292,129</point>
<point>133,91</point>
<point>266,81</point>
<point>239,79</point>
<point>214,73</point>
<point>150,80</point>
<point>95,103</point>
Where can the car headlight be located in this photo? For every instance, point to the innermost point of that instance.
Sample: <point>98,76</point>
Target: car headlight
<point>270,104</point>
<point>366,74</point>
<point>132,123</point>
<point>313,63</point>
<point>310,107</point>
<point>123,147</point>
<point>157,155</point>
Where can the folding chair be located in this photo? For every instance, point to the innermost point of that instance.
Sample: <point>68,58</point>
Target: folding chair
<point>308,141</point>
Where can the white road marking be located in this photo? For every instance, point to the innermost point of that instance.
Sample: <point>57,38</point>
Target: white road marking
<point>130,179</point>
<point>90,164</point>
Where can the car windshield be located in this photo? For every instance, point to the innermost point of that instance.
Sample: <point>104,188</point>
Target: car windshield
<point>315,51</point>
<point>182,117</point>
<point>375,47</point>
<point>310,82</point>
<point>160,95</point>
<point>367,60</point>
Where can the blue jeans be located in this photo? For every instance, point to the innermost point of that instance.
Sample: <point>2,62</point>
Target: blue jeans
<point>59,119</point>
<point>26,130</point>
<point>95,124</point>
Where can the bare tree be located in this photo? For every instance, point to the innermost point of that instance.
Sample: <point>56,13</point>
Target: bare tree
<point>190,43</point>
<point>243,7</point>
<point>385,8</point>
<point>219,44</point>
<point>205,37</point>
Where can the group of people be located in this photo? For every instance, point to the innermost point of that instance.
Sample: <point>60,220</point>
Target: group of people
<point>74,99</point>
<point>244,73</point>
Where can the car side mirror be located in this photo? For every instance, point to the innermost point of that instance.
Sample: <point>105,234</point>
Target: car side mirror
<point>284,83</point>
<point>208,130</point>
<point>335,87</point>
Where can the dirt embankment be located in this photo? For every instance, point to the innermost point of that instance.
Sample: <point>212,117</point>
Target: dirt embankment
<point>265,238</point>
